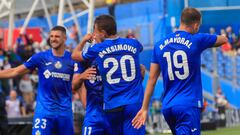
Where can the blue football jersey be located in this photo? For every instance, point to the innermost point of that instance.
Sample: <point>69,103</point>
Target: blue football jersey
<point>94,90</point>
<point>118,62</point>
<point>95,121</point>
<point>178,56</point>
<point>55,76</point>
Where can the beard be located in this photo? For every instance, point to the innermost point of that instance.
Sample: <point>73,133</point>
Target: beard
<point>56,45</point>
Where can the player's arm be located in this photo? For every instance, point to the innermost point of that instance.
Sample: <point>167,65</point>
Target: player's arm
<point>220,41</point>
<point>80,89</point>
<point>83,95</point>
<point>141,116</point>
<point>143,69</point>
<point>76,82</point>
<point>13,72</point>
<point>77,52</point>
<point>78,78</point>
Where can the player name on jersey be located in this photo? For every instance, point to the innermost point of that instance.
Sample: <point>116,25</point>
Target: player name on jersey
<point>115,48</point>
<point>179,40</point>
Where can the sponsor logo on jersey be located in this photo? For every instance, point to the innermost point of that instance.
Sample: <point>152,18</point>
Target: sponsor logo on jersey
<point>48,74</point>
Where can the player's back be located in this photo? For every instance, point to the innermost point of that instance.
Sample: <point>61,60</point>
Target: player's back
<point>119,66</point>
<point>179,58</point>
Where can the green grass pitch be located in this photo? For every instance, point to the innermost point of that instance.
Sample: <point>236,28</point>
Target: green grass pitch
<point>219,131</point>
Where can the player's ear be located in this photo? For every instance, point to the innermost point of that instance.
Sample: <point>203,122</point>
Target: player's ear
<point>105,35</point>
<point>196,27</point>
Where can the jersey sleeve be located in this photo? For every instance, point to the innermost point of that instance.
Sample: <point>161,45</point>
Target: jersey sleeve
<point>91,53</point>
<point>32,62</point>
<point>140,46</point>
<point>206,40</point>
<point>155,54</point>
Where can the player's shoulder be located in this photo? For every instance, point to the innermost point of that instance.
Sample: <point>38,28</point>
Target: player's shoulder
<point>131,40</point>
<point>45,53</point>
<point>68,56</point>
<point>201,35</point>
<point>96,46</point>
<point>68,53</point>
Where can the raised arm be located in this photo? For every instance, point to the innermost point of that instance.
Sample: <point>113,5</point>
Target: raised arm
<point>77,52</point>
<point>13,72</point>
<point>221,40</point>
<point>141,116</point>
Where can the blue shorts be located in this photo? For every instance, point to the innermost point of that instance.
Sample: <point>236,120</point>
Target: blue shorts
<point>120,120</point>
<point>183,120</point>
<point>96,124</point>
<point>52,124</point>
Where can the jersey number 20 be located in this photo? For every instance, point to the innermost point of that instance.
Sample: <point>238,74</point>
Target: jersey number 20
<point>123,68</point>
<point>177,64</point>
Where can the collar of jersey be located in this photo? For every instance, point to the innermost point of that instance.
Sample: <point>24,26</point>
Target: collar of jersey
<point>181,31</point>
<point>58,56</point>
<point>112,38</point>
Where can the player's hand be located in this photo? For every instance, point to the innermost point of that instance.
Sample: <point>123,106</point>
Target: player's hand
<point>140,119</point>
<point>88,37</point>
<point>89,73</point>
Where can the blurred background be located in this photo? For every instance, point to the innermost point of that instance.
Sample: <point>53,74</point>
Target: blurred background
<point>24,27</point>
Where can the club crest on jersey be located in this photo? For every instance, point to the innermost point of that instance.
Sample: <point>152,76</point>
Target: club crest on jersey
<point>37,132</point>
<point>58,65</point>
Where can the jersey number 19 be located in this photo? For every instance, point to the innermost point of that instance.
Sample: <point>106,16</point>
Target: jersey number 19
<point>177,64</point>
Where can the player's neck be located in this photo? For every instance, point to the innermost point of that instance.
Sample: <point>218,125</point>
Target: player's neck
<point>112,37</point>
<point>58,51</point>
<point>186,28</point>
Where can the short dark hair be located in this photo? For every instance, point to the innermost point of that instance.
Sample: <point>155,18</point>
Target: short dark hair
<point>106,23</point>
<point>59,28</point>
<point>190,16</point>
